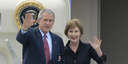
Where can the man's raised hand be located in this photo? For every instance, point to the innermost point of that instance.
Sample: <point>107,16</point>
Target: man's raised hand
<point>27,21</point>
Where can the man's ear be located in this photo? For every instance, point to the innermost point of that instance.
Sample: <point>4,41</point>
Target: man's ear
<point>38,20</point>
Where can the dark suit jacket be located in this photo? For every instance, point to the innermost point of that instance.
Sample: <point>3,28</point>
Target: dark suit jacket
<point>83,54</point>
<point>33,49</point>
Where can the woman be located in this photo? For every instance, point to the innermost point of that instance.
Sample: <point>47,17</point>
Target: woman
<point>76,51</point>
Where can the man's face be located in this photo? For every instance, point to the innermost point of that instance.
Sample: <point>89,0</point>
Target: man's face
<point>46,22</point>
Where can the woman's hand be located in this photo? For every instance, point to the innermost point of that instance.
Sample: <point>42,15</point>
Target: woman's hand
<point>96,46</point>
<point>59,58</point>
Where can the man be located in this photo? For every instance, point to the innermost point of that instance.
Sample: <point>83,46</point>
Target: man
<point>34,40</point>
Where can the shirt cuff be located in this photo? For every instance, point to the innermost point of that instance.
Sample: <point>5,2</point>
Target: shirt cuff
<point>103,58</point>
<point>23,32</point>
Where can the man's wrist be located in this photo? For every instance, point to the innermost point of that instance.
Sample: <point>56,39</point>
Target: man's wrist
<point>24,29</point>
<point>23,32</point>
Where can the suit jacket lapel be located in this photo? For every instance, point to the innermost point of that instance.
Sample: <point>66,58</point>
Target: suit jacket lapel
<point>40,42</point>
<point>54,43</point>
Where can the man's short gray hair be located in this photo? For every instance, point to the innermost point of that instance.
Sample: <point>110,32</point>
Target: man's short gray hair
<point>47,11</point>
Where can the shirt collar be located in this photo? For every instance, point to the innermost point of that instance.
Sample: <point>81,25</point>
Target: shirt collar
<point>79,47</point>
<point>48,34</point>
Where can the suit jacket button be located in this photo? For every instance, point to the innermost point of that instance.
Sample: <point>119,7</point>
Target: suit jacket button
<point>74,61</point>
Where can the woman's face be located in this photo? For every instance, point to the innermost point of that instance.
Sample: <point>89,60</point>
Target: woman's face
<point>74,34</point>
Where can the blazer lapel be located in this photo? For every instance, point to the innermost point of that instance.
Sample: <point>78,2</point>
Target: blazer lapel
<point>40,42</point>
<point>54,43</point>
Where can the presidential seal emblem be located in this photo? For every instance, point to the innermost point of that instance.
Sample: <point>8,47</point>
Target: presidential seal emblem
<point>31,7</point>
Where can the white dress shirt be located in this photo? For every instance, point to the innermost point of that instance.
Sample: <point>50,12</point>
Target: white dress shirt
<point>49,40</point>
